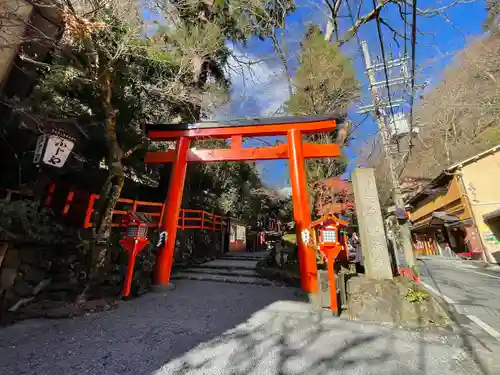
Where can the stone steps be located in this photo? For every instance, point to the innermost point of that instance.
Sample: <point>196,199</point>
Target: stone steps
<point>236,257</point>
<point>222,272</point>
<point>234,279</point>
<point>250,267</point>
<point>235,269</point>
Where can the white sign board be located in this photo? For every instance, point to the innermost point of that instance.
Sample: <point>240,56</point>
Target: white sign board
<point>57,151</point>
<point>40,143</point>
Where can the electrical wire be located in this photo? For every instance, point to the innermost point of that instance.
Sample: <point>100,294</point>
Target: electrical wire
<point>412,88</point>
<point>413,62</point>
<point>358,40</point>
<point>386,72</point>
<point>405,24</point>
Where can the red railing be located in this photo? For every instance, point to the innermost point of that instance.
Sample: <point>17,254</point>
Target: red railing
<point>188,219</point>
<point>200,219</point>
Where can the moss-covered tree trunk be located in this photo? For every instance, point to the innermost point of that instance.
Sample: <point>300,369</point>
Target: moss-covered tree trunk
<point>98,262</point>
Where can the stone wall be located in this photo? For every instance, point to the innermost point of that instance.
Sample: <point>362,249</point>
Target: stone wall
<point>30,271</point>
<point>35,272</point>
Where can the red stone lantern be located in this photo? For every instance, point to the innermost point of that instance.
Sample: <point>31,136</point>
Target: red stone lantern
<point>135,239</point>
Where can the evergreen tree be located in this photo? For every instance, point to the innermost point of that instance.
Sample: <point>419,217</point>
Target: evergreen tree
<point>325,84</point>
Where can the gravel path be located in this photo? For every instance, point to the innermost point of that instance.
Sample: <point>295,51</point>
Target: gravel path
<point>212,328</point>
<point>204,327</point>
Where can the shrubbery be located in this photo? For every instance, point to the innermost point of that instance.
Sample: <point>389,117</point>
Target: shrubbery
<point>24,222</point>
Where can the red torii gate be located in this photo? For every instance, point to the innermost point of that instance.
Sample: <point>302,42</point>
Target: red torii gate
<point>295,151</point>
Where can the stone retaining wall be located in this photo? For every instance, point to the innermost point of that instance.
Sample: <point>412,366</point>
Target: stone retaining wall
<point>44,272</point>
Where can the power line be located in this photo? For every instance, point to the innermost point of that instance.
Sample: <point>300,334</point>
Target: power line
<point>413,50</point>
<point>412,88</point>
<point>405,24</point>
<point>403,227</point>
<point>386,72</point>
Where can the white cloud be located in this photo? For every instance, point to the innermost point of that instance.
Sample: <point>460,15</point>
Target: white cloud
<point>259,89</point>
<point>285,191</point>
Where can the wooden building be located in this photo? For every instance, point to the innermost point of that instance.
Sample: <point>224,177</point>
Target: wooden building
<point>460,208</point>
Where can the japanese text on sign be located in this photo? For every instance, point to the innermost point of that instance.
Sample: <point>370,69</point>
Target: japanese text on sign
<point>57,151</point>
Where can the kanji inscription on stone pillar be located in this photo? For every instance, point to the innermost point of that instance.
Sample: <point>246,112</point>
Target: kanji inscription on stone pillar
<point>371,225</point>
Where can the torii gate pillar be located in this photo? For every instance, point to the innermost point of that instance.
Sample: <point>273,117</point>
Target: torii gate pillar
<point>301,211</point>
<point>172,209</point>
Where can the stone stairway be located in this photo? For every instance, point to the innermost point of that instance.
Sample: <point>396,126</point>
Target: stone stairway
<point>238,268</point>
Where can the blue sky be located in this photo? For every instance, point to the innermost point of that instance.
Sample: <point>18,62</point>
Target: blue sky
<point>439,39</point>
<point>262,91</point>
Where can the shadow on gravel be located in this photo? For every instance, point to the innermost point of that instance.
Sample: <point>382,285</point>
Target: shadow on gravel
<point>212,328</point>
<point>282,346</point>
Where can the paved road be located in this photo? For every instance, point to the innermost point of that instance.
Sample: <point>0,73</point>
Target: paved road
<point>474,293</point>
<point>205,327</point>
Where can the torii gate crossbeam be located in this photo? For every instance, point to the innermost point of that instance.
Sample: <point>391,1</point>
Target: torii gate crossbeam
<point>295,151</point>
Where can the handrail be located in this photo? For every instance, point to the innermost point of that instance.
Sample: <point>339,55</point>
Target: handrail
<point>188,218</point>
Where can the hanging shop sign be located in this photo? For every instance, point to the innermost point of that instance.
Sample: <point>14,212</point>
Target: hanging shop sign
<point>57,151</point>
<point>53,149</point>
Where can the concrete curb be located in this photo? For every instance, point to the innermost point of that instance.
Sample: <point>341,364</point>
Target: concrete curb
<point>456,317</point>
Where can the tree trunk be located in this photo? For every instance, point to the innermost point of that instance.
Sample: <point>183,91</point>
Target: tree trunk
<point>109,195</point>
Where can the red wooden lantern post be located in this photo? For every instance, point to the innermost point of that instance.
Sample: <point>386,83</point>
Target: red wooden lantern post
<point>136,238</point>
<point>323,236</point>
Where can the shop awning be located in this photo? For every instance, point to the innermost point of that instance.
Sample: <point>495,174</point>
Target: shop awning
<point>437,218</point>
<point>444,217</point>
<point>492,215</point>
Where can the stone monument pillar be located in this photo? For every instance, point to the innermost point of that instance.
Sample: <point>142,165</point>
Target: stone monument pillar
<point>371,225</point>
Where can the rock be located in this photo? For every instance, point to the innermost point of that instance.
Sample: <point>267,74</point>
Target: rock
<point>114,279</point>
<point>30,255</point>
<point>45,264</point>
<point>22,288</point>
<point>32,274</point>
<point>58,296</point>
<point>12,258</point>
<point>384,301</point>
<point>7,278</point>
<point>97,304</point>
<point>64,286</point>
<point>147,266</point>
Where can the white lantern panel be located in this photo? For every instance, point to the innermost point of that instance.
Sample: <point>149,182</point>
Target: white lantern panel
<point>329,236</point>
<point>57,151</point>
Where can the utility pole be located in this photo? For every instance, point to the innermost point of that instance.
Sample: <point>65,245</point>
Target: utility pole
<point>402,227</point>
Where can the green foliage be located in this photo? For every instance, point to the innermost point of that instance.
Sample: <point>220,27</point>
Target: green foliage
<point>22,222</point>
<point>161,79</point>
<point>239,19</point>
<point>239,190</point>
<point>325,82</point>
<point>416,296</point>
<point>174,76</point>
